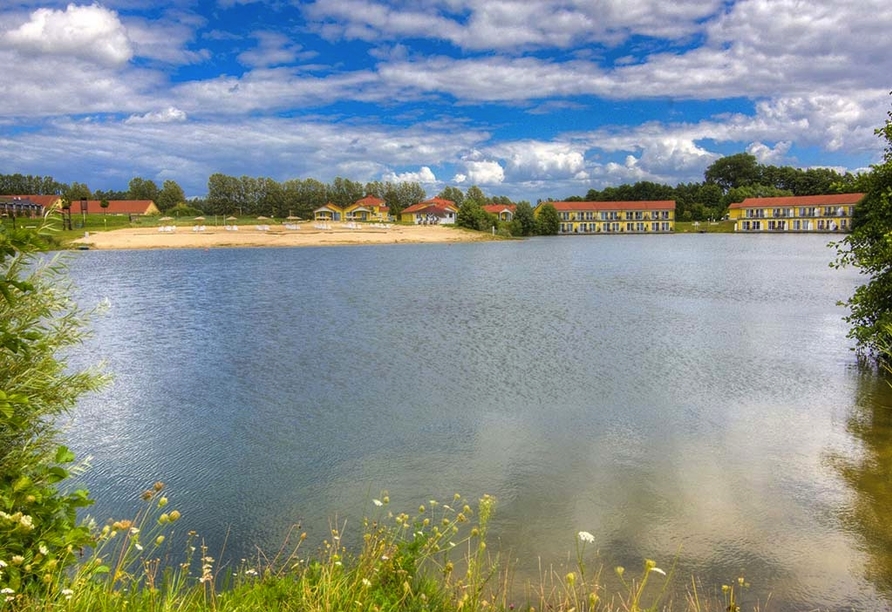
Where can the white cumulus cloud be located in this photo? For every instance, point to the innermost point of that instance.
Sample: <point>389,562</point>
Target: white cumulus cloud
<point>91,33</point>
<point>424,175</point>
<point>482,173</point>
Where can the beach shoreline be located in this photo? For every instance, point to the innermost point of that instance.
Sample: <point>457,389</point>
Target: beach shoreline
<point>309,235</point>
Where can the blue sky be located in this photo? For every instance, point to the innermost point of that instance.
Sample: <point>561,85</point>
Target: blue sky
<point>525,98</point>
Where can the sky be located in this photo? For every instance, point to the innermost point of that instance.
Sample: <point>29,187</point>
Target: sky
<point>531,99</point>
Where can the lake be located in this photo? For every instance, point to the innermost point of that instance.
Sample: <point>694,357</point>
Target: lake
<point>689,397</point>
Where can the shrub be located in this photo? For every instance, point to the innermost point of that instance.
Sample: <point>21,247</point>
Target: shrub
<point>39,534</point>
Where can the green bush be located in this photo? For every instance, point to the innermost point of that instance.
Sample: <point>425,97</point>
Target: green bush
<point>39,534</point>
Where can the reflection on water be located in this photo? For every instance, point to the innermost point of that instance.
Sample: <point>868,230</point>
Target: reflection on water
<point>867,470</point>
<point>676,396</point>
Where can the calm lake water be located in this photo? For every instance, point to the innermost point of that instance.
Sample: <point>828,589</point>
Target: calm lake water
<point>686,396</point>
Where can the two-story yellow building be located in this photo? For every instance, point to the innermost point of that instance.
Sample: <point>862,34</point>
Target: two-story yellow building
<point>823,213</point>
<point>644,217</point>
<point>368,208</point>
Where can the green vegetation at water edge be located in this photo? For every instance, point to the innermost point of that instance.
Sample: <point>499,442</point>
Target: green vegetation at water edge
<point>436,559</point>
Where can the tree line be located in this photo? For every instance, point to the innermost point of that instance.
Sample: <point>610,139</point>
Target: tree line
<point>727,180</point>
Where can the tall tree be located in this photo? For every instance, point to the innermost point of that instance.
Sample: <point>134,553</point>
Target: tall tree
<point>170,195</point>
<point>475,193</point>
<point>76,191</point>
<point>869,248</point>
<point>548,222</point>
<point>142,189</point>
<point>738,170</point>
<point>524,222</point>
<point>453,194</point>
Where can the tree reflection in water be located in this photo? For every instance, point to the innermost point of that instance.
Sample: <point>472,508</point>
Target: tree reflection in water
<point>868,473</point>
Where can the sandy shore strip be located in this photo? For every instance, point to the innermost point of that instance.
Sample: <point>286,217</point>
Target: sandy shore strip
<point>276,236</point>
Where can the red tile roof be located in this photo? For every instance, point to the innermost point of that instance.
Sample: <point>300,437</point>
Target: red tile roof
<point>371,201</point>
<point>498,208</point>
<point>836,199</point>
<point>638,205</point>
<point>116,207</point>
<point>134,207</point>
<point>432,205</point>
<point>44,200</point>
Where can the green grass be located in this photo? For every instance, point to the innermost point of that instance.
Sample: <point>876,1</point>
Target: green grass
<point>435,559</point>
<point>714,227</point>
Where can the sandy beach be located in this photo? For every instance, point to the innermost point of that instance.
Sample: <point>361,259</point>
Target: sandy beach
<point>276,236</point>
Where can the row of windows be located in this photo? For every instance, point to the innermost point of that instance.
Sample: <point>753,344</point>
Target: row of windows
<point>797,225</point>
<point>637,215</point>
<point>589,228</point>
<point>804,211</point>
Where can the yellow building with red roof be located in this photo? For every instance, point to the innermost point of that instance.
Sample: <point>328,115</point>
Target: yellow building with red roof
<point>821,213</point>
<point>639,217</point>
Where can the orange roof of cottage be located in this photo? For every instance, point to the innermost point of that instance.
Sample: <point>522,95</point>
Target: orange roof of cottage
<point>370,200</point>
<point>116,207</point>
<point>44,200</point>
<point>498,208</point>
<point>432,205</point>
<point>634,205</point>
<point>835,199</point>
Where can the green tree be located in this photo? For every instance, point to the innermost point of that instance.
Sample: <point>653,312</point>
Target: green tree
<point>142,189</point>
<point>39,534</point>
<point>76,191</point>
<point>103,204</point>
<point>738,170</point>
<point>548,222</point>
<point>524,222</point>
<point>402,195</point>
<point>472,216</point>
<point>171,194</point>
<point>869,248</point>
<point>453,194</point>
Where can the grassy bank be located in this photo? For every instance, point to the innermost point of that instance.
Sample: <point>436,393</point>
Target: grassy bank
<point>435,559</point>
<point>704,227</point>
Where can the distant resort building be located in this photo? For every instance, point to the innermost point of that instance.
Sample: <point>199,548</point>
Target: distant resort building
<point>368,208</point>
<point>504,212</point>
<point>37,205</point>
<point>644,217</point>
<point>435,211</point>
<point>823,213</point>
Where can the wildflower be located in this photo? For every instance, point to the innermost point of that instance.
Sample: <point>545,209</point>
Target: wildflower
<point>250,572</point>
<point>18,559</point>
<point>571,579</point>
<point>378,502</point>
<point>421,509</point>
<point>174,516</point>
<point>138,546</point>
<point>67,593</point>
<point>159,540</point>
<point>158,486</point>
<point>366,582</point>
<point>7,591</point>
<point>586,537</point>
<point>147,495</point>
<point>26,522</point>
<point>620,570</point>
<point>162,502</point>
<point>657,570</point>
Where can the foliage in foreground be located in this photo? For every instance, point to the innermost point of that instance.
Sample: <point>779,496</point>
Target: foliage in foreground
<point>869,248</point>
<point>434,560</point>
<point>39,533</point>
